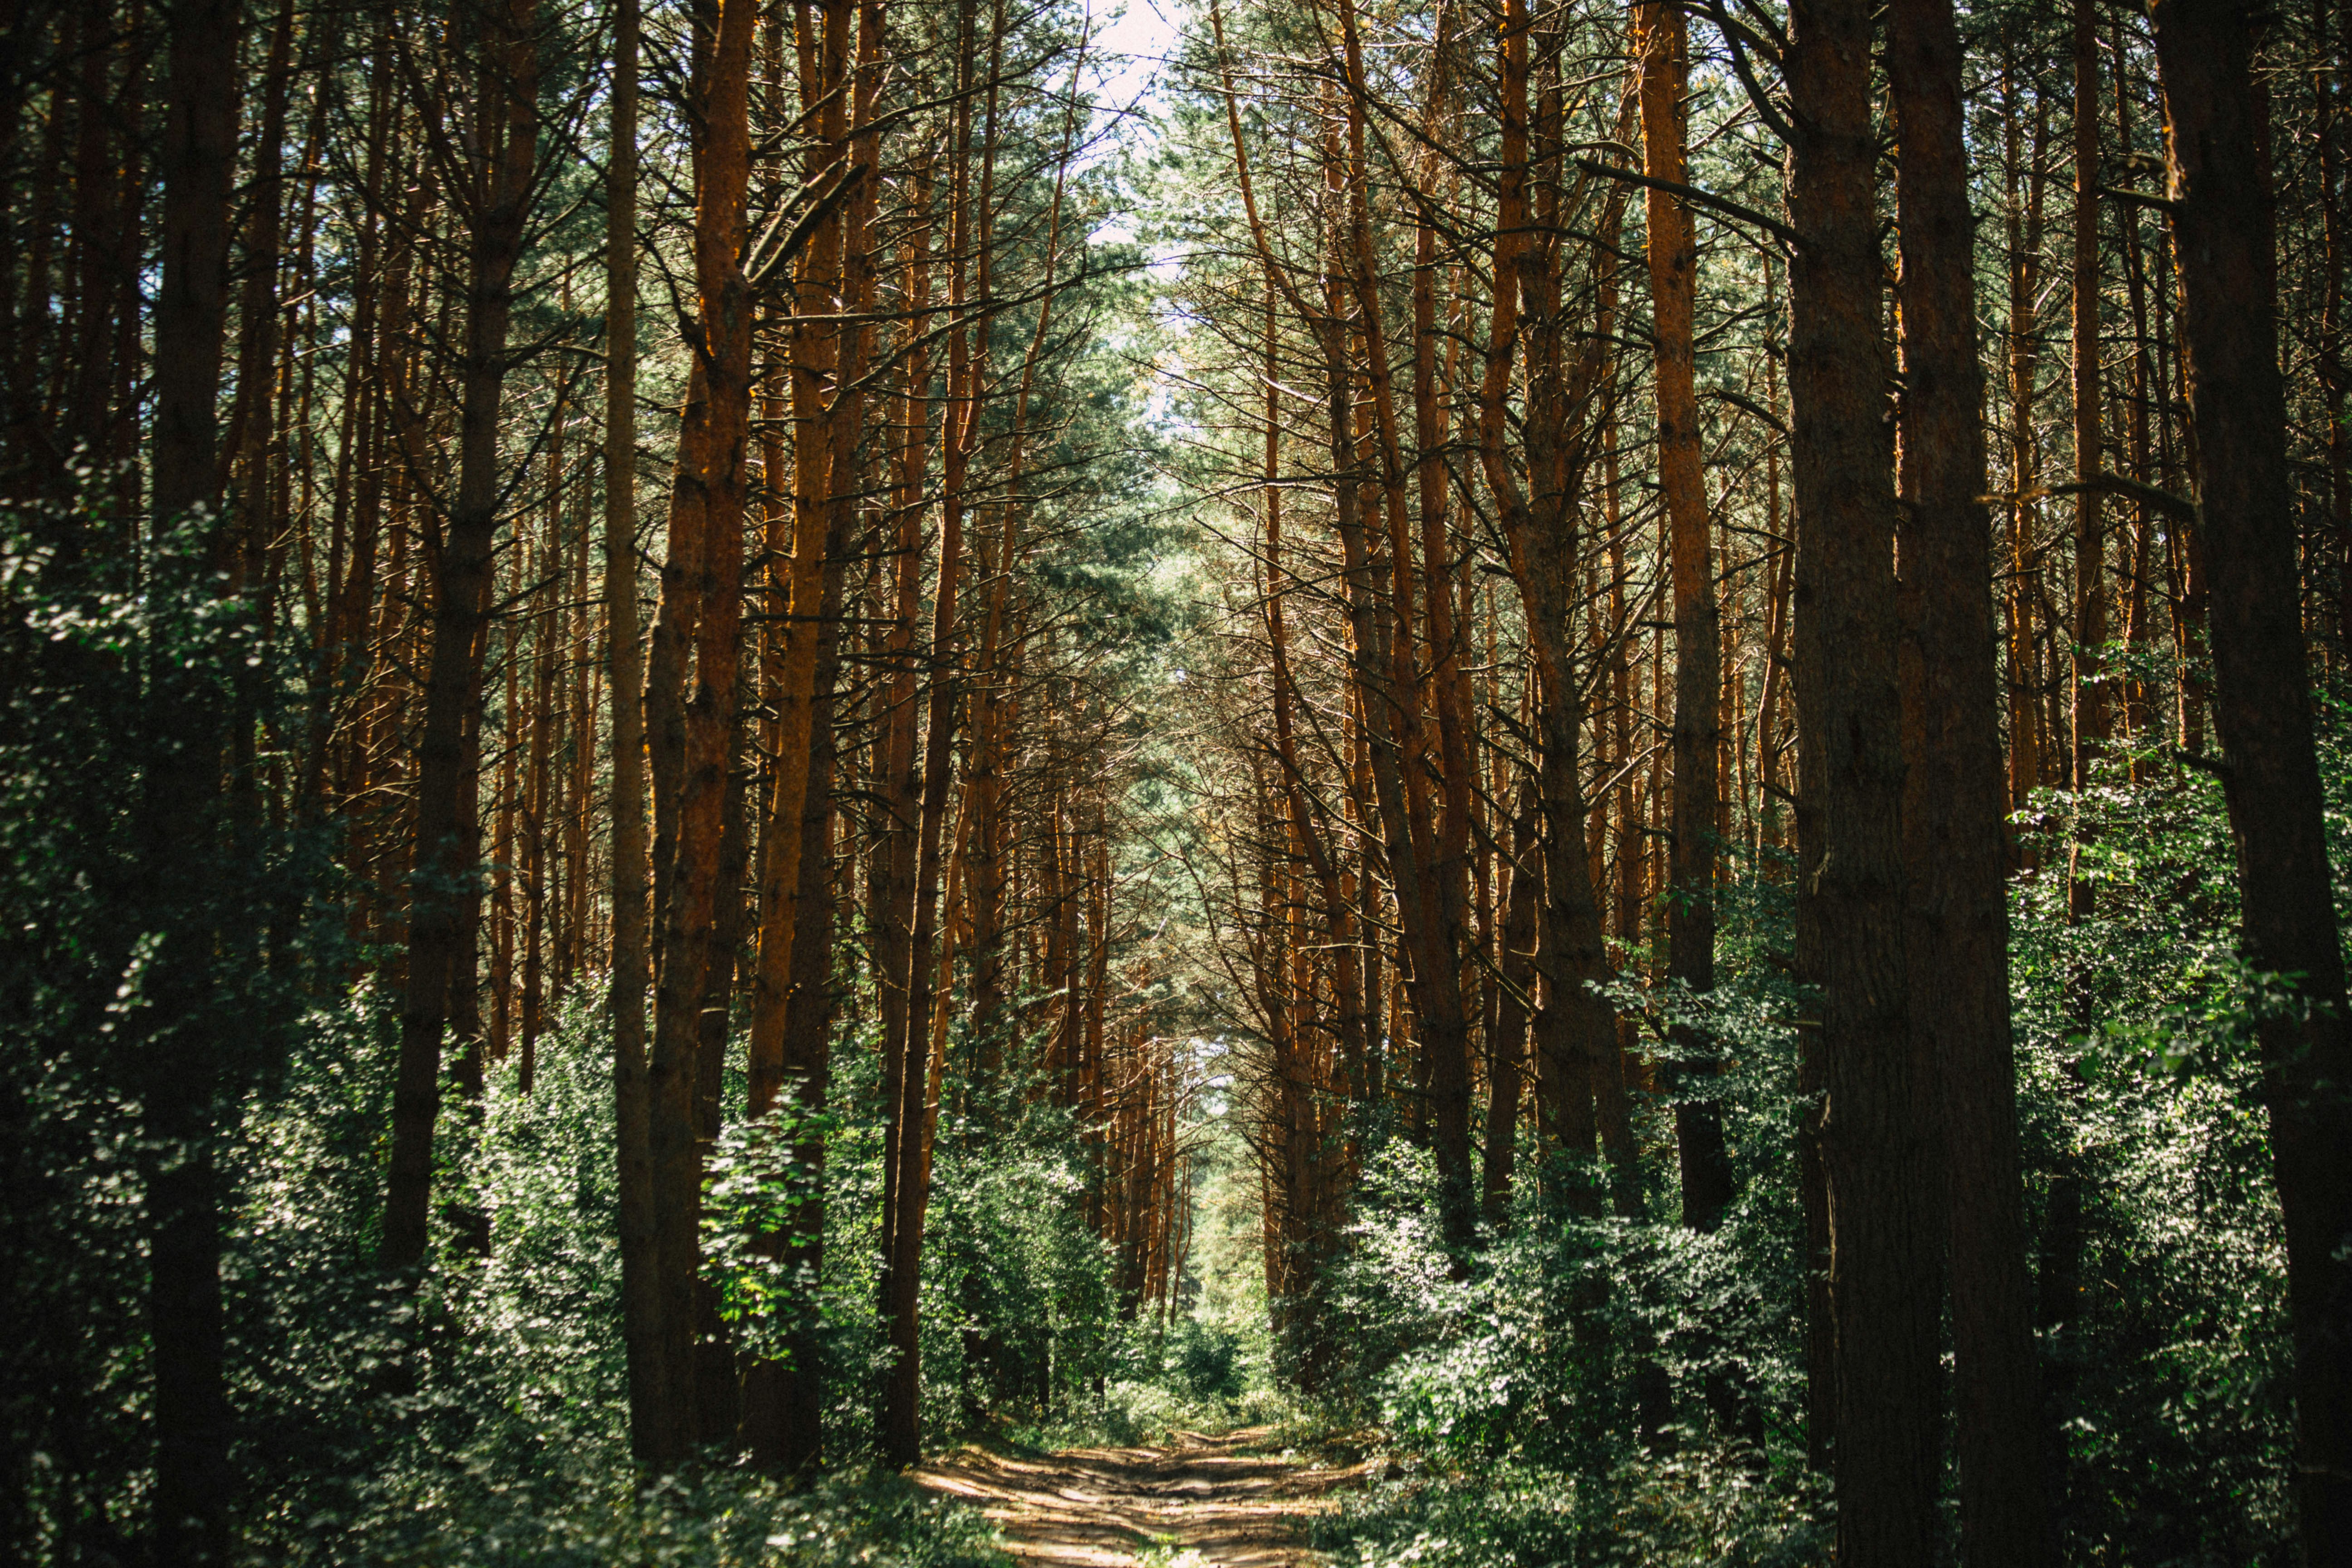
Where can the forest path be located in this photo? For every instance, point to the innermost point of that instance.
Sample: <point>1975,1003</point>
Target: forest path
<point>1217,1502</point>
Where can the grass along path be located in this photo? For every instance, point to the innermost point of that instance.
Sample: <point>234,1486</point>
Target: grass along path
<point>1224,1501</point>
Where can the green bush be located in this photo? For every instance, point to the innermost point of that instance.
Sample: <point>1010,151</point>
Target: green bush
<point>1666,1513</point>
<point>1206,1361</point>
<point>1510,1379</point>
<point>589,1513</point>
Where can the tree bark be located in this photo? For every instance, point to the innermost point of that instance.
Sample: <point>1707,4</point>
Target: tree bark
<point>907,1069</point>
<point>189,1507</point>
<point>1429,865</point>
<point>649,1391</point>
<point>1673,249</point>
<point>808,1054</point>
<point>2223,227</point>
<point>199,155</point>
<point>2090,629</point>
<point>827,355</point>
<point>1573,1028</point>
<point>1508,1048</point>
<point>694,721</point>
<point>1884,1268</point>
<point>2024,236</point>
<point>1957,930</point>
<point>445,859</point>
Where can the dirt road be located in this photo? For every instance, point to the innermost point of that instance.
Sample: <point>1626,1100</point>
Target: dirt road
<point>1225,1502</point>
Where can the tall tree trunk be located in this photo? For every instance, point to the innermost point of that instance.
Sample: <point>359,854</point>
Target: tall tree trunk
<point>1429,867</point>
<point>827,355</point>
<point>2335,380</point>
<point>906,1066</point>
<point>189,1507</point>
<point>199,156</point>
<point>1507,1073</point>
<point>446,857</point>
<point>1573,1028</point>
<point>538,795</point>
<point>252,422</point>
<point>1957,930</point>
<point>650,1393</point>
<point>2024,235</point>
<point>2224,229</point>
<point>2061,1284</point>
<point>792,999</point>
<point>1665,53</point>
<point>1884,1268</point>
<point>807,1054</point>
<point>893,873</point>
<point>716,1397</point>
<point>695,723</point>
<point>2090,628</point>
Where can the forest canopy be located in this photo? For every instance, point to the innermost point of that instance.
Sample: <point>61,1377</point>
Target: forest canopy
<point>1597,755</point>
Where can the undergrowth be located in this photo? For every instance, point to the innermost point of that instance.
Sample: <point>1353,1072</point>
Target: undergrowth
<point>1512,1382</point>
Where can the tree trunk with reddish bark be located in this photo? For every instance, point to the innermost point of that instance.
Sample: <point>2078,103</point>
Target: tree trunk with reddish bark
<point>2224,225</point>
<point>1879,1107</point>
<point>1957,930</point>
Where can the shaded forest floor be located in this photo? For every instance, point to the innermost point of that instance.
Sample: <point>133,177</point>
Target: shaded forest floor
<point>1234,1501</point>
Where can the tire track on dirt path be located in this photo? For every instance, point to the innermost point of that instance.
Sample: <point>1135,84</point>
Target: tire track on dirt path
<point>1215,1502</point>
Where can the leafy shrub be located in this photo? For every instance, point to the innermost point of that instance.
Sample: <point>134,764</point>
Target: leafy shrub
<point>589,1513</point>
<point>1204,1360</point>
<point>1511,1380</point>
<point>1663,1512</point>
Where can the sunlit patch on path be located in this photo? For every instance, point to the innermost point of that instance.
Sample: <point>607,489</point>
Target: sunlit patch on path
<point>1206,1502</point>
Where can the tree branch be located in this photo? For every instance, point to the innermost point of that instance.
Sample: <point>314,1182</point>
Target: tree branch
<point>1721,205</point>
